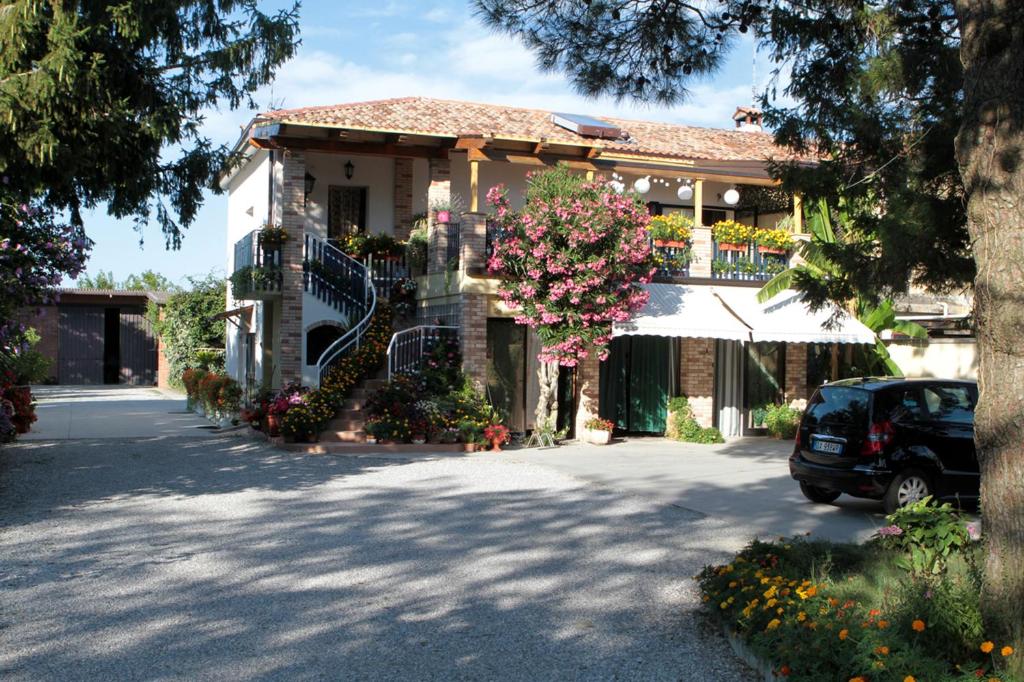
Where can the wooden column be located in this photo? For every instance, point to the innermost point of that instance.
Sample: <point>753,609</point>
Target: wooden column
<point>698,202</point>
<point>590,176</point>
<point>474,186</point>
<point>798,214</point>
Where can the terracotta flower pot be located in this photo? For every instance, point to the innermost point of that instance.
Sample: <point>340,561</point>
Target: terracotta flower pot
<point>444,216</point>
<point>496,444</point>
<point>669,243</point>
<point>726,246</point>
<point>771,249</point>
<point>273,425</point>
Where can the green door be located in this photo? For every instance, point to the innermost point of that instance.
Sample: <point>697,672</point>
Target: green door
<point>635,383</point>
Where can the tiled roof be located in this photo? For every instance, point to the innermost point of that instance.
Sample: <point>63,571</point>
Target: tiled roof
<point>449,118</point>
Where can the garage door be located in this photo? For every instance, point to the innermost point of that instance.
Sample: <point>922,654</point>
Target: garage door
<point>81,345</point>
<point>138,349</point>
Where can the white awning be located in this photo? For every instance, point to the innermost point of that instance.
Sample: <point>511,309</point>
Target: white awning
<point>733,313</point>
<point>686,310</point>
<point>787,318</point>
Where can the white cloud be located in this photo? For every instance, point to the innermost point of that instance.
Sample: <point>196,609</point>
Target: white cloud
<point>437,15</point>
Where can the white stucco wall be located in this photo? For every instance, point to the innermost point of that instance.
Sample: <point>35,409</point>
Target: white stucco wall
<point>247,211</point>
<point>376,173</point>
<point>939,358</point>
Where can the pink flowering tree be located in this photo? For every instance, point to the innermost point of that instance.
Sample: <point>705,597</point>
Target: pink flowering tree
<point>573,259</point>
<point>36,253</point>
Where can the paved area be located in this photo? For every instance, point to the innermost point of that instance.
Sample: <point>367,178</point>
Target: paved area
<point>72,412</point>
<point>218,558</point>
<point>743,486</point>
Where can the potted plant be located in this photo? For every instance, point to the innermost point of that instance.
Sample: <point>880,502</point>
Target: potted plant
<point>731,235</point>
<point>774,241</point>
<point>497,435</point>
<point>444,208</point>
<point>674,230</point>
<point>599,431</point>
<point>275,413</point>
<point>272,236</point>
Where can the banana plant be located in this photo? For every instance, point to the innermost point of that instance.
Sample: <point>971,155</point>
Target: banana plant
<point>816,264</point>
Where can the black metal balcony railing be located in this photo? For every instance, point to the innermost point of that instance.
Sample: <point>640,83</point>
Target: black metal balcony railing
<point>747,264</point>
<point>257,268</point>
<point>334,278</point>
<point>672,261</point>
<point>495,233</point>
<point>453,239</point>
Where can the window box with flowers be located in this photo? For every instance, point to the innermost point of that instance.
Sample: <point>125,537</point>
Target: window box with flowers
<point>599,431</point>
<point>272,236</point>
<point>731,235</point>
<point>773,241</point>
<point>674,230</point>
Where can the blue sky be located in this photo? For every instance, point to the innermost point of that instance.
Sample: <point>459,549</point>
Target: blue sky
<point>361,50</point>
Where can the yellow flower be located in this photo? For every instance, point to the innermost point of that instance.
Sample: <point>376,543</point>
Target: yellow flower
<point>1006,650</point>
<point>987,647</point>
<point>843,634</point>
<point>801,617</point>
<point>917,625</point>
<point>909,678</point>
<point>770,603</point>
<point>773,623</point>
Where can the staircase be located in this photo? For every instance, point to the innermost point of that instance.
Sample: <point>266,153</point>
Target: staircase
<point>347,427</point>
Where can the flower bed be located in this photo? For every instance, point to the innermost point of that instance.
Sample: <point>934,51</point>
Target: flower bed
<point>816,610</point>
<point>216,396</point>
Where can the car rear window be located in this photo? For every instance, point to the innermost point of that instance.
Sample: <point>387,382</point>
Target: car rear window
<point>839,405</point>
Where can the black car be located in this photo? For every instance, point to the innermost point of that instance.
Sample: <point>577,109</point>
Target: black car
<point>892,439</point>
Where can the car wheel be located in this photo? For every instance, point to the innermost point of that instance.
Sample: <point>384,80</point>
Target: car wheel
<point>908,487</point>
<point>819,495</point>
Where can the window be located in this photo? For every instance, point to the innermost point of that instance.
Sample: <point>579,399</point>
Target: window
<point>952,404</point>
<point>346,211</point>
<point>839,405</point>
<point>901,405</point>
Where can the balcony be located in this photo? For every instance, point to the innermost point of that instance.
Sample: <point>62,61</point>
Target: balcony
<point>746,262</point>
<point>257,275</point>
<point>672,259</point>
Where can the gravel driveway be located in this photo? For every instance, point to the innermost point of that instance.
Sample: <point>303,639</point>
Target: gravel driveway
<point>216,558</point>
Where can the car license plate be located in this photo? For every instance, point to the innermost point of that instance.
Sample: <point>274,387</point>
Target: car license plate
<point>828,447</point>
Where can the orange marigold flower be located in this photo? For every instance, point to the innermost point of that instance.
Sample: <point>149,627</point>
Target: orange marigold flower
<point>844,633</point>
<point>859,678</point>
<point>909,678</point>
<point>874,612</point>
<point>918,625</point>
<point>1006,650</point>
<point>773,623</point>
<point>785,670</point>
<point>882,650</point>
<point>987,647</point>
<point>883,624</point>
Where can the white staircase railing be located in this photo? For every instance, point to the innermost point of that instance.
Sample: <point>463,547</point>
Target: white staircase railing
<point>360,296</point>
<point>408,347</point>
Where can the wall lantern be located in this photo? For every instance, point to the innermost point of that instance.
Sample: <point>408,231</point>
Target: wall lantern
<point>642,185</point>
<point>309,183</point>
<point>731,196</point>
<point>350,170</point>
<point>685,193</point>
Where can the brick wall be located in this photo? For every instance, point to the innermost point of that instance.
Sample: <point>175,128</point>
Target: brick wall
<point>473,337</point>
<point>437,248</point>
<point>796,371</point>
<point>293,212</point>
<point>588,381</point>
<point>697,377</point>
<point>440,181</point>
<point>46,322</point>
<point>163,367</point>
<point>403,198</point>
<point>700,255</point>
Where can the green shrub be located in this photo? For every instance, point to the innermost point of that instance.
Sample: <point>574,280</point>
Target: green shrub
<point>782,421</point>
<point>27,365</point>
<point>683,427</point>
<point>926,534</point>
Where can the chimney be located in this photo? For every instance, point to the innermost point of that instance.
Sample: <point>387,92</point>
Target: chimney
<point>748,118</point>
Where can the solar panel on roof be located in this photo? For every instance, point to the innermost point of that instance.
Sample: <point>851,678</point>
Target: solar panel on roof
<point>588,126</point>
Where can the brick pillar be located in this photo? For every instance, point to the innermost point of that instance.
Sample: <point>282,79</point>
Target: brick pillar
<point>473,241</point>
<point>697,378</point>
<point>473,337</point>
<point>437,248</point>
<point>440,188</point>
<point>403,198</point>
<point>163,367</point>
<point>588,374</point>
<point>796,371</point>
<point>700,254</point>
<point>293,217</point>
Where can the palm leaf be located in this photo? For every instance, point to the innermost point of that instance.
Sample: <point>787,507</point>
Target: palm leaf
<point>776,285</point>
<point>911,329</point>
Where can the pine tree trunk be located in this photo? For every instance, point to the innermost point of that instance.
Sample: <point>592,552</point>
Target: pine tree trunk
<point>990,152</point>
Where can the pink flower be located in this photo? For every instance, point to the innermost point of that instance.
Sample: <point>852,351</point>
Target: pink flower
<point>890,531</point>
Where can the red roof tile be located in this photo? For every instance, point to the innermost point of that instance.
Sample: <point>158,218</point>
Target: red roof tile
<point>449,118</point>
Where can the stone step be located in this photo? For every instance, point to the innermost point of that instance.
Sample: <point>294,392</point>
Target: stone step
<point>343,436</point>
<point>352,406</point>
<point>374,384</point>
<point>340,424</point>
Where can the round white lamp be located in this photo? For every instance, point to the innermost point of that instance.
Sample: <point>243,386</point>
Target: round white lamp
<point>685,193</point>
<point>731,196</point>
<point>642,185</point>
